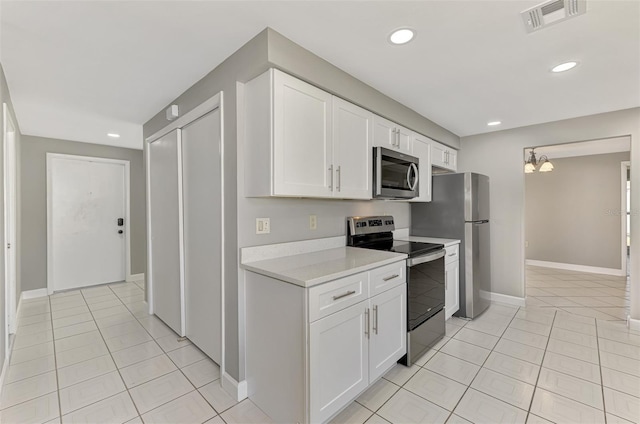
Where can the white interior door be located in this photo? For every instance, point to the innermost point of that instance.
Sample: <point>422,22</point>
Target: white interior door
<point>10,215</point>
<point>86,199</point>
<point>201,182</point>
<point>165,222</point>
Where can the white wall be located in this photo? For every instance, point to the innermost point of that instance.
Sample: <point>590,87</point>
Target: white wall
<point>500,156</point>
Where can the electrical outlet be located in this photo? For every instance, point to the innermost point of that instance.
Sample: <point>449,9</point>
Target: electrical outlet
<point>313,222</point>
<point>263,226</point>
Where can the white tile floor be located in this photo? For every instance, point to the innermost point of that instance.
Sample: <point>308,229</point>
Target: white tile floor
<point>96,356</point>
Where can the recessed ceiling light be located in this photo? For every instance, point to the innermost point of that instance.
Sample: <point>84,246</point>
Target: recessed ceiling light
<point>113,135</point>
<point>564,67</point>
<point>494,123</point>
<point>401,36</point>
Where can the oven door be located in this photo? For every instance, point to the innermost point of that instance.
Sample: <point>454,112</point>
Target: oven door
<point>425,287</point>
<point>395,175</point>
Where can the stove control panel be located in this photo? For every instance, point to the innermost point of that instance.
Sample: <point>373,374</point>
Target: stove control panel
<point>358,225</point>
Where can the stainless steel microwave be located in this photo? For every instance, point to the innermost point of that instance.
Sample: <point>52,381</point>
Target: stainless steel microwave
<point>395,174</point>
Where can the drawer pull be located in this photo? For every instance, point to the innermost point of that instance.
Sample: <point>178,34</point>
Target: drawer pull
<point>452,254</point>
<point>390,277</point>
<point>349,293</point>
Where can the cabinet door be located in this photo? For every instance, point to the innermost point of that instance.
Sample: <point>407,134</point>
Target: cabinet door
<point>338,360</point>
<point>302,138</point>
<point>438,155</point>
<point>451,287</point>
<point>452,160</point>
<point>421,149</point>
<point>404,141</point>
<point>388,330</point>
<point>352,143</point>
<point>384,133</point>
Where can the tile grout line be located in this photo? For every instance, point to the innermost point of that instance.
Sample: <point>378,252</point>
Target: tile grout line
<point>55,360</point>
<point>535,386</point>
<point>604,405</point>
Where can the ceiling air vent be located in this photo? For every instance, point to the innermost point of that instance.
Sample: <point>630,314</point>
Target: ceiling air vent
<point>551,12</point>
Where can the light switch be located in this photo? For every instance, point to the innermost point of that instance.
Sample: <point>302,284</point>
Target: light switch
<point>263,226</point>
<point>313,222</point>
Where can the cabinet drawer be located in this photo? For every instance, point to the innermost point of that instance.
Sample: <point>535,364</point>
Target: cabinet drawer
<point>334,296</point>
<point>388,276</point>
<point>452,254</point>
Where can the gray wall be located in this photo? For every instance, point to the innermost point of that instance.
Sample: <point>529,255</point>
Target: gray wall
<point>289,218</point>
<point>500,156</point>
<point>571,213</point>
<point>33,191</point>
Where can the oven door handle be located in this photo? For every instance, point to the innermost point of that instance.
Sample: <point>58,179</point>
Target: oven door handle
<point>426,258</point>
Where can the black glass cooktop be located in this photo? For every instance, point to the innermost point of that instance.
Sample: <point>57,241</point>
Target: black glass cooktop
<point>411,248</point>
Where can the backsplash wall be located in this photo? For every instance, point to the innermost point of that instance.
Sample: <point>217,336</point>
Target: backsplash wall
<point>289,218</point>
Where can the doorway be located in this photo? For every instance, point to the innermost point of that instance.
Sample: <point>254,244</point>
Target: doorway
<point>87,221</point>
<point>575,228</point>
<point>10,217</point>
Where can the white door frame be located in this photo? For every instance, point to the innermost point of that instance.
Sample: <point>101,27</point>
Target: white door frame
<point>623,212</point>
<point>10,228</point>
<point>207,106</point>
<point>127,210</point>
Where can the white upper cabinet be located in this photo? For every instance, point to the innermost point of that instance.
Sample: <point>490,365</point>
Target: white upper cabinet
<point>422,150</point>
<point>288,145</point>
<point>352,150</point>
<point>444,157</point>
<point>391,135</point>
<point>302,137</point>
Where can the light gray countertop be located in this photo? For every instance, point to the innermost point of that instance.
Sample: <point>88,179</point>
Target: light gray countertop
<point>313,268</point>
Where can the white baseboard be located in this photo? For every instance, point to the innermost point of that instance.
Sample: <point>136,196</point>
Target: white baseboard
<point>135,277</point>
<point>633,324</point>
<point>579,268</point>
<point>509,300</point>
<point>32,294</point>
<point>237,390</point>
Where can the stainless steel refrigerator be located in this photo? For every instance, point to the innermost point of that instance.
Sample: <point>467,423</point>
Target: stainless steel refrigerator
<point>459,209</point>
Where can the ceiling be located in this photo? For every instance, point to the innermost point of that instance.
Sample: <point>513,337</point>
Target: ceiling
<point>77,70</point>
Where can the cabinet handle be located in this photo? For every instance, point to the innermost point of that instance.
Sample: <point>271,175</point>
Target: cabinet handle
<point>375,318</point>
<point>331,175</point>
<point>338,174</point>
<point>391,277</point>
<point>367,323</point>
<point>349,293</point>
<point>452,254</point>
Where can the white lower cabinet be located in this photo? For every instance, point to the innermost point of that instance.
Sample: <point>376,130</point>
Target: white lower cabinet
<point>451,281</point>
<point>388,340</point>
<point>339,360</point>
<point>310,352</point>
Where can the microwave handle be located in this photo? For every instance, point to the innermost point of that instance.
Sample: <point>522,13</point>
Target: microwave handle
<point>415,172</point>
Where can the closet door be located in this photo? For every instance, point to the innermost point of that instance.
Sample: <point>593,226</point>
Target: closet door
<point>201,179</point>
<point>165,232</point>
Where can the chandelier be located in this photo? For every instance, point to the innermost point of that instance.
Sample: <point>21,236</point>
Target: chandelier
<point>541,165</point>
